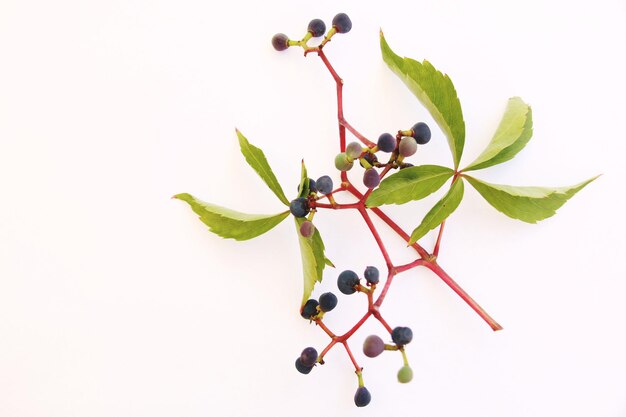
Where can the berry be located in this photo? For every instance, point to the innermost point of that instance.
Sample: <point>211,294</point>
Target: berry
<point>362,397</point>
<point>408,146</point>
<point>371,179</point>
<point>401,335</point>
<point>386,142</point>
<point>342,163</point>
<point>317,27</point>
<point>421,133</point>
<point>310,309</point>
<point>308,356</point>
<point>299,207</point>
<point>372,275</point>
<point>324,184</point>
<point>370,158</point>
<point>312,186</point>
<point>328,301</point>
<point>346,282</point>
<point>280,41</point>
<point>373,346</point>
<point>302,368</point>
<point>354,150</point>
<point>307,229</point>
<point>405,374</point>
<point>342,23</point>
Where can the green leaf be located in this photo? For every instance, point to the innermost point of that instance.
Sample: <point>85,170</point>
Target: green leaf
<point>229,223</point>
<point>409,184</point>
<point>439,212</point>
<point>304,186</point>
<point>256,159</point>
<point>313,259</point>
<point>513,133</point>
<point>435,91</point>
<point>529,204</point>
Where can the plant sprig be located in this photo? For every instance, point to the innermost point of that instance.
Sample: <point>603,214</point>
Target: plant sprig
<point>393,181</point>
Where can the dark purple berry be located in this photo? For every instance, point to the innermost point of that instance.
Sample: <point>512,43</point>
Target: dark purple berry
<point>307,229</point>
<point>401,335</point>
<point>317,27</point>
<point>421,133</point>
<point>362,397</point>
<point>312,186</point>
<point>310,309</point>
<point>299,207</point>
<point>308,356</point>
<point>386,142</point>
<point>346,282</point>
<point>280,41</point>
<point>342,23</point>
<point>371,179</point>
<point>324,184</point>
<point>302,368</point>
<point>370,158</point>
<point>372,275</point>
<point>328,301</point>
<point>373,346</point>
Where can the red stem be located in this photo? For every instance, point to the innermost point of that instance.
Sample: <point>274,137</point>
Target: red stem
<point>379,241</point>
<point>356,365</point>
<point>433,266</point>
<point>436,249</point>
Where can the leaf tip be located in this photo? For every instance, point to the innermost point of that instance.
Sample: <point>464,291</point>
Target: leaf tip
<point>180,196</point>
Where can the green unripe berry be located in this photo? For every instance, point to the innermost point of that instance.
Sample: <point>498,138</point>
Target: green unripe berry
<point>342,163</point>
<point>405,374</point>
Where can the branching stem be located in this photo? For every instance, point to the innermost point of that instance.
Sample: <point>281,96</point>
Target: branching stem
<point>424,259</point>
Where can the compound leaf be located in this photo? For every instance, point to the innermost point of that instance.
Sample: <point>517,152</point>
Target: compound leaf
<point>513,133</point>
<point>529,204</point>
<point>440,211</point>
<point>232,224</point>
<point>409,184</point>
<point>256,159</point>
<point>313,259</point>
<point>435,91</point>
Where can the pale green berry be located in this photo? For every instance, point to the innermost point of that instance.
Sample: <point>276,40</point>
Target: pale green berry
<point>405,374</point>
<point>342,163</point>
<point>354,150</point>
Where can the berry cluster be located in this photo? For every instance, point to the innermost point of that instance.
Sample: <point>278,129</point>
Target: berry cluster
<point>400,146</point>
<point>348,283</point>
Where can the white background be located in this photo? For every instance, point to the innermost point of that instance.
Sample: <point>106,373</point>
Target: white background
<point>116,301</point>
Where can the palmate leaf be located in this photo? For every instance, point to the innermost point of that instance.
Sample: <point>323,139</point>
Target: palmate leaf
<point>256,159</point>
<point>513,133</point>
<point>232,224</point>
<point>529,204</point>
<point>440,211</point>
<point>409,184</point>
<point>435,91</point>
<point>313,259</point>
